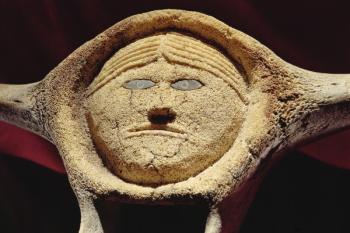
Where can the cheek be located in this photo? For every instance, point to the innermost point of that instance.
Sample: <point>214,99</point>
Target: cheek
<point>113,107</point>
<point>214,112</point>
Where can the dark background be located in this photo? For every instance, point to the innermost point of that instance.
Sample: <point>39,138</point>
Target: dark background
<point>299,195</point>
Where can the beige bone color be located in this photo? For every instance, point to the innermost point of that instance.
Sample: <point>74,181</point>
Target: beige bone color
<point>206,121</point>
<point>250,107</point>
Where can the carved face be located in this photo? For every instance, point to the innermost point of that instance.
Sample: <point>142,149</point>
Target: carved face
<point>165,108</point>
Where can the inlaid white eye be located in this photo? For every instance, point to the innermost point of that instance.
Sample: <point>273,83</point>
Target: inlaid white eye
<point>186,84</point>
<point>139,84</point>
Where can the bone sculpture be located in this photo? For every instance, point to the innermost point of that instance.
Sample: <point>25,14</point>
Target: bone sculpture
<point>171,107</point>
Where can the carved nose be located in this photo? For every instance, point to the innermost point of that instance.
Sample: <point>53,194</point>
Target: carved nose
<point>161,116</point>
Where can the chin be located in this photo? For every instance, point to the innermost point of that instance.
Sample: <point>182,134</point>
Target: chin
<point>156,145</point>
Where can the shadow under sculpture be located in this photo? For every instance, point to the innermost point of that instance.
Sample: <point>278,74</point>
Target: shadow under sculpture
<point>175,107</point>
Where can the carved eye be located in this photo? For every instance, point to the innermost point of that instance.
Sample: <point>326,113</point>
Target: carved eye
<point>139,84</point>
<point>186,84</point>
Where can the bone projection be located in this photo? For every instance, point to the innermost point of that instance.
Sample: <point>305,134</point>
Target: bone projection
<point>171,107</point>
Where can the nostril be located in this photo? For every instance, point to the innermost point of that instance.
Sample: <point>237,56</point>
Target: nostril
<point>161,116</point>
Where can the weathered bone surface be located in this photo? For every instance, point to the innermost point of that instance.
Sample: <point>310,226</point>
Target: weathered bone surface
<point>196,124</point>
<point>175,107</point>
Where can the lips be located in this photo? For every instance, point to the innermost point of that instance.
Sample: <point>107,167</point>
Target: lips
<point>162,130</point>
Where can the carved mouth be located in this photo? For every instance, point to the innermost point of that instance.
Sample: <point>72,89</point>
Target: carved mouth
<point>163,130</point>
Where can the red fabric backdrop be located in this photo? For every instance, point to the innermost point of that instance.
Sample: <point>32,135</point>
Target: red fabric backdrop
<point>36,36</point>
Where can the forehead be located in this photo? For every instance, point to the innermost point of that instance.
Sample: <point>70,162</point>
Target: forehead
<point>164,71</point>
<point>166,50</point>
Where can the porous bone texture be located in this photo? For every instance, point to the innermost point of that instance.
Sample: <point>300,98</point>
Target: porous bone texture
<point>205,119</point>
